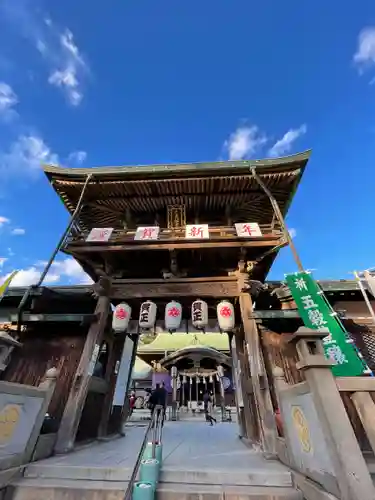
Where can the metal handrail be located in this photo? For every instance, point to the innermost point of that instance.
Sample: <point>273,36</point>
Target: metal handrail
<point>156,425</point>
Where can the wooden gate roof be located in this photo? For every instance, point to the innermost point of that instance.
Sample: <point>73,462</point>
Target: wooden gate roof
<point>203,186</point>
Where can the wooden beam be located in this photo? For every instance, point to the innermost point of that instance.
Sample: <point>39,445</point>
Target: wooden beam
<point>205,289</point>
<point>78,391</point>
<point>159,281</point>
<point>171,245</point>
<point>127,200</point>
<point>259,379</point>
<point>87,319</point>
<point>104,208</point>
<point>275,314</point>
<point>355,384</point>
<point>110,378</point>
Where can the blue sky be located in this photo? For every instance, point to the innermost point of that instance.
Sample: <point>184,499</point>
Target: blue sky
<point>110,83</point>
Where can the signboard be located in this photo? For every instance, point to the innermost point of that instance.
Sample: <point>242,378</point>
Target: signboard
<point>316,313</point>
<point>93,360</point>
<point>99,234</point>
<point>147,233</point>
<point>248,230</point>
<point>122,381</point>
<point>197,232</point>
<point>236,373</point>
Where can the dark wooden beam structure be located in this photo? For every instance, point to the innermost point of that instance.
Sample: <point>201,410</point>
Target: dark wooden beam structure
<point>77,397</point>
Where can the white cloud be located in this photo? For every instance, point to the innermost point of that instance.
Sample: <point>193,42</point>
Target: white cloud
<point>18,231</point>
<point>284,145</point>
<point>293,232</point>
<point>8,100</point>
<point>3,220</point>
<point>66,66</point>
<point>365,54</point>
<point>244,142</point>
<point>30,276</point>
<point>26,155</point>
<point>2,261</point>
<point>70,269</point>
<point>69,68</point>
<point>77,157</point>
<point>66,270</point>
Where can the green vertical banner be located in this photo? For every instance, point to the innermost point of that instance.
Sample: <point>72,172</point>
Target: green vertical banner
<point>317,313</point>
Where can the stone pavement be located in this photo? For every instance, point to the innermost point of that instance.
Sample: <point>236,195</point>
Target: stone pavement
<point>193,452</point>
<point>199,463</point>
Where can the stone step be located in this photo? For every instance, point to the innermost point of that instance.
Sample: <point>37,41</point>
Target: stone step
<point>254,477</point>
<point>63,489</point>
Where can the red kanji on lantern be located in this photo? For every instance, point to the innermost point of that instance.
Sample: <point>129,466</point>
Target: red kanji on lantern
<point>174,312</point>
<point>121,313</point>
<point>226,312</point>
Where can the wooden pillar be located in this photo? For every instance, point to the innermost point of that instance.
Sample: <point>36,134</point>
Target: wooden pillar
<point>124,378</point>
<point>249,413</point>
<point>111,377</point>
<point>265,412</point>
<point>78,392</point>
<point>236,376</point>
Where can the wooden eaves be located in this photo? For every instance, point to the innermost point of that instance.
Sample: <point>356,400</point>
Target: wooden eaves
<point>114,191</point>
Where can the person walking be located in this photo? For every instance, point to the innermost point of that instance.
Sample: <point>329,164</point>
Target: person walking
<point>132,400</point>
<point>208,406</point>
<point>159,398</point>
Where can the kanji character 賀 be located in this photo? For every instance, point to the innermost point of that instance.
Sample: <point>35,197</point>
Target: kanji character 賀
<point>316,318</point>
<point>335,353</point>
<point>300,284</point>
<point>308,302</point>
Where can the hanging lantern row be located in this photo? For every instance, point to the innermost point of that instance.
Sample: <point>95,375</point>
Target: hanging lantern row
<point>173,315</point>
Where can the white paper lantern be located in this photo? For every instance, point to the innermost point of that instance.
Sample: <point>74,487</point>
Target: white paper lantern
<point>173,315</point>
<point>225,316</point>
<point>147,315</point>
<point>199,314</point>
<point>121,317</point>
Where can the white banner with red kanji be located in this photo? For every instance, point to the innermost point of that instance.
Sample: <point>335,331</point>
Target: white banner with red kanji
<point>197,232</point>
<point>99,234</point>
<point>248,230</point>
<point>148,233</point>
